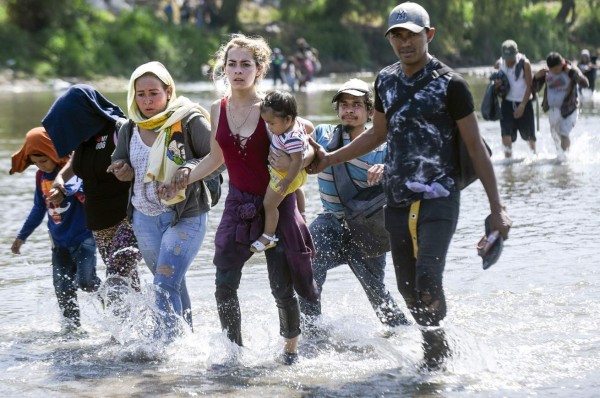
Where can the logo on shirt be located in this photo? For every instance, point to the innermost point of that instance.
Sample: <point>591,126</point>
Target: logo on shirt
<point>56,212</point>
<point>101,142</point>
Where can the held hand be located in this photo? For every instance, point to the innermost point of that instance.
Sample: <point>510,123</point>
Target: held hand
<point>541,73</point>
<point>321,160</point>
<point>57,191</point>
<point>501,221</point>
<point>166,192</point>
<point>375,174</point>
<point>279,160</point>
<point>16,246</point>
<point>121,170</point>
<point>180,179</point>
<point>56,195</point>
<point>282,186</point>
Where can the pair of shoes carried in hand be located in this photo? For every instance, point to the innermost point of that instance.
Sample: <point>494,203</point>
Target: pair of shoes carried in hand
<point>258,246</point>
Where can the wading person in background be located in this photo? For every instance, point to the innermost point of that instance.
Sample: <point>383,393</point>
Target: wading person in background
<point>73,247</point>
<point>239,137</point>
<point>84,121</point>
<point>589,67</point>
<point>165,139</point>
<point>334,240</point>
<point>423,197</point>
<point>561,99</point>
<point>516,108</point>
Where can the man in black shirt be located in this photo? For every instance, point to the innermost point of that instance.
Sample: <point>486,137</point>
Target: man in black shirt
<point>420,107</point>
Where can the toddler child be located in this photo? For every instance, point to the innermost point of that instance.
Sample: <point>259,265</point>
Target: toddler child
<point>280,112</point>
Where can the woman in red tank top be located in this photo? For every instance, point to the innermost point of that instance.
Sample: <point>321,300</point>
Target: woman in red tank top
<point>239,138</point>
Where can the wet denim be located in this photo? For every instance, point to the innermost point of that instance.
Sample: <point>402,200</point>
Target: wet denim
<point>335,246</point>
<point>168,251</point>
<point>74,267</point>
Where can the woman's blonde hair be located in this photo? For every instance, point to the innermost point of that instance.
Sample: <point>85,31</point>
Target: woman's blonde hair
<point>257,45</point>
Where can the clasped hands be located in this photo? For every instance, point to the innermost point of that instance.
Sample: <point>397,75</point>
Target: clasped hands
<point>166,190</point>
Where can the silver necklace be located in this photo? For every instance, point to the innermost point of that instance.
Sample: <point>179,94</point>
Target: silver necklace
<point>233,120</point>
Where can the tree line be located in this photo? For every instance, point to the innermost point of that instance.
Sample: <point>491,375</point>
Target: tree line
<point>70,38</point>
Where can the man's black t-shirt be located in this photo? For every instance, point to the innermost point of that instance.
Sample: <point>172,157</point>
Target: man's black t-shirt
<point>421,132</point>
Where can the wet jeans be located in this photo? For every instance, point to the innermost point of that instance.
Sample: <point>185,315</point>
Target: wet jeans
<point>334,246</point>
<point>168,252</point>
<point>74,267</point>
<point>419,278</point>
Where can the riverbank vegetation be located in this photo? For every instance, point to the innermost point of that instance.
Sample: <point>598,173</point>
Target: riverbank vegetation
<point>71,38</point>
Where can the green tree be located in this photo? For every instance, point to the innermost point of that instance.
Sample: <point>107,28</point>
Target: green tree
<point>36,15</point>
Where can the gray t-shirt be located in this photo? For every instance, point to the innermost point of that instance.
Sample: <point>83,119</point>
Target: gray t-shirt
<point>558,85</point>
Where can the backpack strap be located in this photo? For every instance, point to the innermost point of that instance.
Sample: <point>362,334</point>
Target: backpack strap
<point>337,138</point>
<point>410,93</point>
<point>355,202</point>
<point>38,179</point>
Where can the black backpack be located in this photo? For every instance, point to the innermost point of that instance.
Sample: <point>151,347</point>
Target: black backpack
<point>214,186</point>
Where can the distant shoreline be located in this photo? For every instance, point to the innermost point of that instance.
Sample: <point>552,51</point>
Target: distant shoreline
<point>23,84</point>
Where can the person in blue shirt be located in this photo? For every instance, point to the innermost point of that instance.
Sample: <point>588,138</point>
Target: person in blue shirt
<point>335,244</point>
<point>73,246</point>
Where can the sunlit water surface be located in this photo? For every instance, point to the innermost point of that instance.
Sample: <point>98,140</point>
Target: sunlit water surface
<point>528,326</point>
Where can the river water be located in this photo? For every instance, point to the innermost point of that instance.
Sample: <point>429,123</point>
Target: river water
<point>528,326</point>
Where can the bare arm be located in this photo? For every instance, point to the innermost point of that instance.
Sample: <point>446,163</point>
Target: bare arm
<point>469,132</point>
<point>528,76</point>
<point>364,143</point>
<point>576,75</point>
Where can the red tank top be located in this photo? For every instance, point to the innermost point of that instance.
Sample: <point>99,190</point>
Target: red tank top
<point>246,164</point>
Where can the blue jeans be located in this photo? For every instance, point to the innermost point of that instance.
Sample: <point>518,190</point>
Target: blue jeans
<point>74,267</point>
<point>168,251</point>
<point>335,246</point>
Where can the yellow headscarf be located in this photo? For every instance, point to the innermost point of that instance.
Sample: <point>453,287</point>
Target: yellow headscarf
<point>177,107</point>
<point>160,167</point>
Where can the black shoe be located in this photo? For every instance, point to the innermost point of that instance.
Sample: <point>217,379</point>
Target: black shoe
<point>436,351</point>
<point>290,358</point>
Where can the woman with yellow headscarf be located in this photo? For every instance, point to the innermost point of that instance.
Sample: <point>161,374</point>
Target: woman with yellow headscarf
<point>165,137</point>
